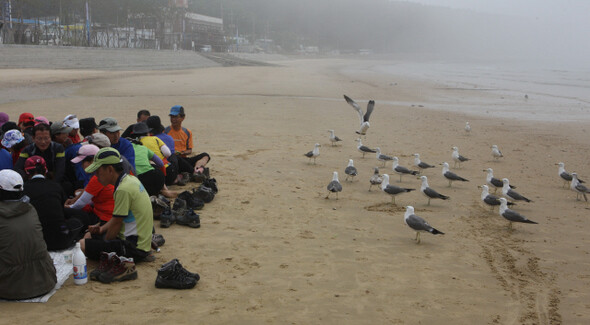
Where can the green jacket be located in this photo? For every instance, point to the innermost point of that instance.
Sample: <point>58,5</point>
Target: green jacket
<point>26,269</point>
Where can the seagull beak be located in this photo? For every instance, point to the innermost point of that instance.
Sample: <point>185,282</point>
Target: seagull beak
<point>483,170</point>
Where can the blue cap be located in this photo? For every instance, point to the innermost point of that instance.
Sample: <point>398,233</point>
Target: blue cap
<point>176,110</point>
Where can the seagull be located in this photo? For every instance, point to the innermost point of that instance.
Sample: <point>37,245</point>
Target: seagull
<point>364,119</point>
<point>429,192</point>
<point>392,189</point>
<point>492,181</point>
<point>578,188</point>
<point>420,164</point>
<point>418,224</point>
<point>496,153</point>
<point>488,198</point>
<point>334,186</point>
<point>512,215</point>
<point>457,157</point>
<point>401,170</point>
<point>567,177</point>
<point>314,153</point>
<point>350,170</point>
<point>333,138</point>
<point>364,149</point>
<point>511,194</point>
<point>381,157</point>
<point>376,179</point>
<point>467,127</point>
<point>450,175</point>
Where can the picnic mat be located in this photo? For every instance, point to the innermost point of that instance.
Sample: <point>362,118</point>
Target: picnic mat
<point>62,260</point>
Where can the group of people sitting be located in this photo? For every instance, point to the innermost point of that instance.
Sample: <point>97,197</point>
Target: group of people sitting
<point>74,180</point>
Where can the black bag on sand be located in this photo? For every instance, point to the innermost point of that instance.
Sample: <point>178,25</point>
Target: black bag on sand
<point>204,193</point>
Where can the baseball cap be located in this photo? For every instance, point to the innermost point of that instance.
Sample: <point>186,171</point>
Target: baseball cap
<point>99,139</point>
<point>10,181</point>
<point>41,119</point>
<point>26,118</point>
<point>33,161</point>
<point>105,156</point>
<point>12,137</point>
<point>72,121</point>
<point>109,124</point>
<point>176,110</point>
<point>59,128</point>
<point>3,118</point>
<point>85,151</point>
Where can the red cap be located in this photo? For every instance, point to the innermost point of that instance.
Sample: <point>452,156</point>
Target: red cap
<point>26,117</point>
<point>32,162</point>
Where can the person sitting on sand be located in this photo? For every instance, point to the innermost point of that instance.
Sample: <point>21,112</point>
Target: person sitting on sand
<point>142,116</point>
<point>26,122</point>
<point>183,144</point>
<point>112,130</point>
<point>27,270</point>
<point>52,152</point>
<point>72,122</point>
<point>157,130</point>
<point>152,178</point>
<point>129,232</point>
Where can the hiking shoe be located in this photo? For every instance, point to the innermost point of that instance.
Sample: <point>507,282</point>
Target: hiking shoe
<point>105,263</point>
<point>172,276</point>
<point>158,240</point>
<point>167,218</point>
<point>189,218</point>
<point>179,207</point>
<point>123,269</point>
<point>182,269</point>
<point>183,179</point>
<point>191,201</point>
<point>212,184</point>
<point>199,177</point>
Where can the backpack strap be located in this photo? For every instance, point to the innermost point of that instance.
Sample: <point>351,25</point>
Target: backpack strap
<point>188,136</point>
<point>167,129</point>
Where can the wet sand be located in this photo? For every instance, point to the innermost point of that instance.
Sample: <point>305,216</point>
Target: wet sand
<point>271,249</point>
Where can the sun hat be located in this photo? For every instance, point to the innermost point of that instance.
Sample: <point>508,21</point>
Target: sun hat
<point>33,161</point>
<point>85,151</point>
<point>72,121</point>
<point>3,118</point>
<point>59,128</point>
<point>12,137</point>
<point>140,128</point>
<point>99,139</point>
<point>109,124</point>
<point>176,110</point>
<point>87,125</point>
<point>155,124</point>
<point>10,181</point>
<point>105,156</point>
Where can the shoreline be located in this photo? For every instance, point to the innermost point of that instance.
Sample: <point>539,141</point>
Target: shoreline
<point>272,249</point>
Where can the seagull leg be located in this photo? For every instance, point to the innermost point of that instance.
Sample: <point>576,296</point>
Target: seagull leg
<point>393,200</point>
<point>418,238</point>
<point>328,196</point>
<point>450,183</point>
<point>585,198</point>
<point>428,201</point>
<point>400,178</point>
<point>336,195</point>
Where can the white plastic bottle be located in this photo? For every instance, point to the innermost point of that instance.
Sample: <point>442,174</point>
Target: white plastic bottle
<point>79,261</point>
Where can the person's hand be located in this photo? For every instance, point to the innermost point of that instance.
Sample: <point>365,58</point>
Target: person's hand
<point>94,229</point>
<point>69,202</point>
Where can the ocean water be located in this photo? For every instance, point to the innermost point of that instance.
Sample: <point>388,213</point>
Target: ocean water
<point>510,89</point>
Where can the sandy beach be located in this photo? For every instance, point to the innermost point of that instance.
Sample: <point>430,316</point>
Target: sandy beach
<point>272,249</point>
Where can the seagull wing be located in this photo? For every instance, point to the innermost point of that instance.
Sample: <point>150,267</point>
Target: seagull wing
<point>370,107</point>
<point>394,190</point>
<point>424,165</point>
<point>334,186</point>
<point>356,107</point>
<point>434,194</point>
<point>514,216</point>
<point>350,170</point>
<point>309,154</point>
<point>454,177</point>
<point>516,196</point>
<point>404,170</point>
<point>491,200</point>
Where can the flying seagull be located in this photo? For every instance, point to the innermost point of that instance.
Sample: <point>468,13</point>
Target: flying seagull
<point>401,170</point>
<point>429,192</point>
<point>364,119</point>
<point>418,224</point>
<point>381,157</point>
<point>364,149</point>
<point>492,181</point>
<point>376,179</point>
<point>496,153</point>
<point>392,189</point>
<point>488,198</point>
<point>467,127</point>
<point>450,176</point>
<point>578,188</point>
<point>334,186</point>
<point>350,170</point>
<point>333,138</point>
<point>512,215</point>
<point>510,193</point>
<point>314,153</point>
<point>567,177</point>
<point>457,157</point>
<point>420,164</point>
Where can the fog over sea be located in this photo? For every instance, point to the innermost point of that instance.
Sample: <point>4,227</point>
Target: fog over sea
<point>501,88</point>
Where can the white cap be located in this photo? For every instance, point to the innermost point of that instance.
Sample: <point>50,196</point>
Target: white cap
<point>72,121</point>
<point>10,180</point>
